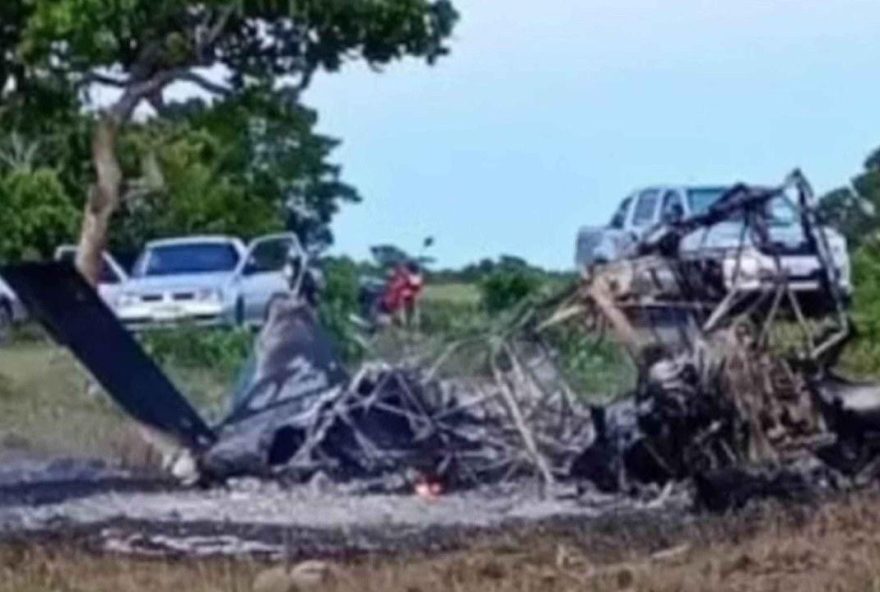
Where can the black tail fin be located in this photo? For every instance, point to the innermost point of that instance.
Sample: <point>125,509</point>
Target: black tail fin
<point>73,313</point>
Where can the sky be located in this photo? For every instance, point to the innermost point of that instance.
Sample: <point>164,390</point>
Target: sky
<point>546,114</point>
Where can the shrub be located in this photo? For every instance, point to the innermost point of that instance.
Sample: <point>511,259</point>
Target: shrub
<point>338,302</point>
<point>222,351</point>
<point>502,290</point>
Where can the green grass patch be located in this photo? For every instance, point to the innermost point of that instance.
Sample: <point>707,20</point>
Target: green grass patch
<point>453,293</point>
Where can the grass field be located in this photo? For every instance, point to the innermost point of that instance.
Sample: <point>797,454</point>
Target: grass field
<point>454,293</point>
<point>48,406</point>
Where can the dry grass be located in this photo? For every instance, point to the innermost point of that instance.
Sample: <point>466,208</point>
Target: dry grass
<point>49,407</point>
<point>837,548</point>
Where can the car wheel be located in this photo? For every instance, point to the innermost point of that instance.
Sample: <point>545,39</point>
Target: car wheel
<point>5,323</point>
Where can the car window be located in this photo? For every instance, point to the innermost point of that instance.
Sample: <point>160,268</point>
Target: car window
<point>619,218</point>
<point>108,275</point>
<point>187,258</point>
<point>645,208</point>
<point>673,207</point>
<point>701,198</point>
<point>269,255</point>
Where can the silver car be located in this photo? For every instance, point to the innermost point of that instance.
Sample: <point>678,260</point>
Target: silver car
<point>643,210</point>
<point>206,281</point>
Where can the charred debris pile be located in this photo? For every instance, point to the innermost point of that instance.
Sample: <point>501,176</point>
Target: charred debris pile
<point>735,394</point>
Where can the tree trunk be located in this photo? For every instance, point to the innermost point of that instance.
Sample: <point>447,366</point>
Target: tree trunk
<point>103,199</point>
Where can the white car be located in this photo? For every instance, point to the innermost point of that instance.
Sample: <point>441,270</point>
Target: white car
<point>113,275</point>
<point>205,281</point>
<point>643,210</point>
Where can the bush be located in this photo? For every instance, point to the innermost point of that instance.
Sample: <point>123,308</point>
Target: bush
<point>502,290</point>
<point>338,302</point>
<point>223,351</point>
<point>450,319</point>
<point>37,214</point>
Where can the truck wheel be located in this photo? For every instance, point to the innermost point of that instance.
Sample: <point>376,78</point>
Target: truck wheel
<point>6,322</point>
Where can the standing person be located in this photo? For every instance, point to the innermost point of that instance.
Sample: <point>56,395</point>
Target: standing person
<point>402,293</point>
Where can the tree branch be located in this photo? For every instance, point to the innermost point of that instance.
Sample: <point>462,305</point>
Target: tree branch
<point>124,107</point>
<point>214,32</point>
<point>204,83</point>
<point>306,80</point>
<point>97,78</point>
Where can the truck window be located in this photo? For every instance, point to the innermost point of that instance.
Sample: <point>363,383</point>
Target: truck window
<point>673,207</point>
<point>619,218</point>
<point>645,208</point>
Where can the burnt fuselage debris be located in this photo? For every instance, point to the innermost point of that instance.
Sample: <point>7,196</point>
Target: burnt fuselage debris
<point>296,412</point>
<point>735,380</point>
<point>732,374</point>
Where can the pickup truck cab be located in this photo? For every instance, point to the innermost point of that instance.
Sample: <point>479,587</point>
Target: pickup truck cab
<point>644,209</point>
<point>206,281</point>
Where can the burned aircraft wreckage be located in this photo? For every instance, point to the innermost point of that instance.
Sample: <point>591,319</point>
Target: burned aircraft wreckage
<point>729,374</point>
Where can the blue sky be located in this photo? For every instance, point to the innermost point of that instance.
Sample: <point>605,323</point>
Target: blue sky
<point>547,113</point>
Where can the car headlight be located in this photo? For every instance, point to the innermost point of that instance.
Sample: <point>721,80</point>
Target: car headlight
<point>210,295</point>
<point>127,299</point>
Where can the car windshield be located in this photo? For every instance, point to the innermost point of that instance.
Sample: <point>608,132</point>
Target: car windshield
<point>699,199</point>
<point>780,211</point>
<point>188,258</point>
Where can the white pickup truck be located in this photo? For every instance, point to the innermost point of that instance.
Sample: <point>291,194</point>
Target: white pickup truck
<point>644,209</point>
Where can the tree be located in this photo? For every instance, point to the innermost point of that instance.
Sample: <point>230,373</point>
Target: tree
<point>224,47</point>
<point>37,213</point>
<point>854,210</point>
<point>246,166</point>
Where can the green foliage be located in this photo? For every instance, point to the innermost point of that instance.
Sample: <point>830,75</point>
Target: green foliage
<point>339,302</point>
<point>224,351</point>
<point>506,288</point>
<point>596,370</point>
<point>239,167</point>
<point>855,210</point>
<point>452,319</point>
<point>253,39</point>
<point>37,214</point>
<point>248,163</point>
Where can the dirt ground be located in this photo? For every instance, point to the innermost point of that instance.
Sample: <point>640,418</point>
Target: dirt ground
<point>832,547</point>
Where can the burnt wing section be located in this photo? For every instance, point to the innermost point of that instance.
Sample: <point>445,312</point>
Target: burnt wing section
<point>70,309</point>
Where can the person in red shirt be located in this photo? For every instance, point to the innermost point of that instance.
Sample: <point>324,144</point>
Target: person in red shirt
<point>402,292</point>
